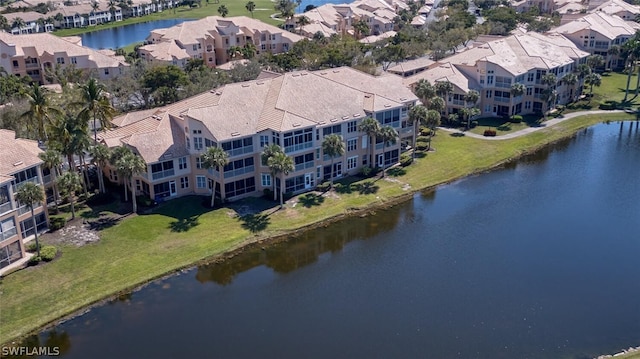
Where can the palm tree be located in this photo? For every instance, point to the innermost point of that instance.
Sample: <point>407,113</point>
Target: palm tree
<point>18,23</point>
<point>69,184</point>
<point>65,134</point>
<point>4,24</point>
<point>388,135</point>
<point>96,106</point>
<point>517,89</point>
<point>361,28</point>
<point>51,160</point>
<point>471,98</point>
<point>631,52</point>
<point>549,95</point>
<point>41,113</point>
<point>549,80</point>
<point>371,127</point>
<point>30,194</point>
<point>613,51</point>
<point>286,8</point>
<point>417,116</point>
<point>216,157</point>
<point>592,79</point>
<point>112,8</point>
<point>250,7</point>
<point>281,164</point>
<point>595,61</point>
<point>100,156</point>
<point>269,152</point>
<point>571,79</point>
<point>116,154</point>
<point>425,92</point>
<point>433,121</point>
<point>332,146</point>
<point>302,21</point>
<point>443,89</point>
<point>223,11</point>
<point>94,7</point>
<point>131,165</point>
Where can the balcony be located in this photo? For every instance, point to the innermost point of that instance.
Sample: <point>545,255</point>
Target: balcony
<point>32,65</point>
<point>8,233</point>
<point>240,151</point>
<point>25,209</point>
<point>17,185</point>
<point>305,165</point>
<point>163,174</point>
<point>503,85</point>
<point>46,179</point>
<point>298,147</point>
<point>239,171</point>
<point>502,99</point>
<point>5,207</point>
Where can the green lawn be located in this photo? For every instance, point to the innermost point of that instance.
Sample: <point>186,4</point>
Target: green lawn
<point>264,8</point>
<point>182,232</point>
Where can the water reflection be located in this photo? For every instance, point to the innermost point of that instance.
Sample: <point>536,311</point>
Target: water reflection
<point>55,343</point>
<point>301,250</point>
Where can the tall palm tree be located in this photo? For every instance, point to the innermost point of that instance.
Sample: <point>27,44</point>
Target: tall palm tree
<point>250,6</point>
<point>613,52</point>
<point>131,165</point>
<point>100,156</point>
<point>425,92</point>
<point>4,24</point>
<point>41,112</point>
<point>595,61</point>
<point>116,154</point>
<point>444,89</point>
<point>389,136</point>
<point>69,184</point>
<point>96,105</point>
<point>571,79</point>
<point>371,127</point>
<point>517,89</point>
<point>433,121</point>
<point>18,23</point>
<point>269,152</point>
<point>281,164</point>
<point>549,80</point>
<point>592,79</point>
<point>216,157</point>
<point>332,146</point>
<point>223,11</point>
<point>417,117</point>
<point>65,134</point>
<point>30,194</point>
<point>51,159</point>
<point>303,21</point>
<point>631,52</point>
<point>471,99</point>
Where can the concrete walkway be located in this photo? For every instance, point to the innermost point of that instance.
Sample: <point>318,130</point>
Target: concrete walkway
<point>528,130</point>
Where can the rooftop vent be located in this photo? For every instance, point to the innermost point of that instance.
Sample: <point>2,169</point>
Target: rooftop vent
<point>403,98</point>
<point>334,120</point>
<point>304,74</point>
<point>322,122</point>
<point>356,115</point>
<point>345,117</point>
<point>295,75</point>
<point>245,85</point>
<point>260,83</point>
<point>336,71</point>
<point>323,73</point>
<point>234,134</point>
<point>17,163</point>
<point>387,105</point>
<point>295,124</point>
<point>367,95</point>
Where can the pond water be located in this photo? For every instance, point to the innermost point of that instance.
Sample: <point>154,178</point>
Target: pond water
<point>122,36</point>
<point>535,260</point>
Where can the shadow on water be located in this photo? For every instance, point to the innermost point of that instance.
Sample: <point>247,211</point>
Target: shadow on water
<point>301,250</point>
<point>55,343</point>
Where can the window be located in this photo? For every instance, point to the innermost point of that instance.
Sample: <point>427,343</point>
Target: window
<point>197,132</point>
<point>209,49</point>
<point>337,129</point>
<point>275,138</point>
<point>487,108</point>
<point>208,143</point>
<point>238,147</point>
<point>266,180</point>
<point>162,169</point>
<point>489,79</point>
<point>106,71</point>
<point>26,226</point>
<point>182,163</point>
<point>263,47</point>
<point>529,91</point>
<point>194,47</point>
<point>74,60</point>
<point>184,182</point>
<point>201,181</point>
<point>238,167</point>
<point>60,60</point>
<point>15,63</point>
<point>390,118</point>
<point>240,187</point>
<point>304,161</point>
<point>352,162</point>
<point>197,143</point>
<point>527,105</point>
<point>352,144</point>
<point>273,46</point>
<point>8,229</point>
<point>198,162</point>
<point>273,37</point>
<point>489,93</point>
<point>352,126</point>
<point>264,141</point>
<point>298,140</point>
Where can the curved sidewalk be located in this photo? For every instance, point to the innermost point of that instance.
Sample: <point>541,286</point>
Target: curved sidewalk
<point>528,130</point>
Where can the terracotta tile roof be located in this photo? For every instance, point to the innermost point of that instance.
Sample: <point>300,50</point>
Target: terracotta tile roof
<point>443,72</point>
<point>17,154</point>
<point>613,7</point>
<point>412,65</point>
<point>609,26</point>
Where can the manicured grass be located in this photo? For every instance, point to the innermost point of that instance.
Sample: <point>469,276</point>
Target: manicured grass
<point>182,232</point>
<point>611,91</point>
<point>501,125</point>
<point>264,9</point>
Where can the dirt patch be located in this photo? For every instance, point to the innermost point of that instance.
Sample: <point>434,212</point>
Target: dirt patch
<point>76,232</point>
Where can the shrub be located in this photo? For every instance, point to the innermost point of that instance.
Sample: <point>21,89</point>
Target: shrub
<point>100,199</point>
<point>474,124</point>
<point>489,133</point>
<point>422,146</point>
<point>422,139</point>
<point>405,160</point>
<point>56,222</point>
<point>515,119</point>
<point>324,186</point>
<point>31,247</point>
<point>366,171</point>
<point>424,131</point>
<point>267,193</point>
<point>34,260</point>
<point>608,105</point>
<point>144,200</point>
<point>48,253</point>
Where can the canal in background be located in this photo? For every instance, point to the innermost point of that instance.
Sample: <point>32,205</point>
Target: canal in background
<point>536,260</point>
<point>122,36</point>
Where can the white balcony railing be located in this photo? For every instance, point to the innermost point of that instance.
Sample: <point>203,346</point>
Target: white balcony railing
<point>5,207</point>
<point>163,174</point>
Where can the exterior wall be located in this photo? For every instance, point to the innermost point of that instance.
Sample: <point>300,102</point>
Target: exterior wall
<point>595,43</point>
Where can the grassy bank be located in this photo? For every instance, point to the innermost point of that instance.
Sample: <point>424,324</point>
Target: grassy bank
<point>178,234</point>
<point>264,9</point>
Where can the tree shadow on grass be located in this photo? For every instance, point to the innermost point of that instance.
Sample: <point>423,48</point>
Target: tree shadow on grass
<point>103,223</point>
<point>421,154</point>
<point>255,223</point>
<point>184,224</point>
<point>456,134</point>
<point>367,187</point>
<point>504,127</point>
<point>311,199</point>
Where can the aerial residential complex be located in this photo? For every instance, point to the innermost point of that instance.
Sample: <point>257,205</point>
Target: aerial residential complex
<point>493,64</point>
<point>212,38</point>
<point>294,110</point>
<point>20,164</point>
<point>30,55</point>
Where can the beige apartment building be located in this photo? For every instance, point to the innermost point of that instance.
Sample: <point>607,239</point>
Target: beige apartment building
<point>29,55</point>
<point>494,64</point>
<point>19,163</point>
<point>294,110</point>
<point>212,38</point>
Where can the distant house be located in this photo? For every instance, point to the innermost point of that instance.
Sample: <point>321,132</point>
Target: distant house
<point>34,22</point>
<point>29,55</point>
<point>294,110</point>
<point>213,39</point>
<point>19,163</point>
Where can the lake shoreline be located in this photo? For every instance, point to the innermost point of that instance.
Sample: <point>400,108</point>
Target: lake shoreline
<point>259,241</point>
